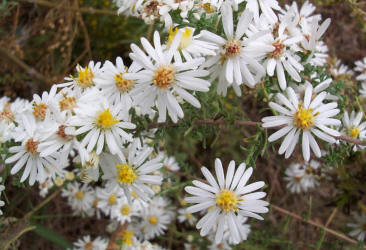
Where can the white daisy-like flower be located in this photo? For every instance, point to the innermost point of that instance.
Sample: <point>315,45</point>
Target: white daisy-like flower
<point>236,62</point>
<point>282,57</point>
<point>132,174</point>
<point>44,187</point>
<point>308,115</point>
<point>294,176</point>
<point>84,79</point>
<point>358,228</point>
<point>28,153</point>
<point>171,164</point>
<point>226,199</point>
<point>191,46</point>
<point>340,70</point>
<point>114,86</point>
<point>363,89</point>
<point>2,188</point>
<point>86,243</point>
<point>45,104</point>
<point>353,127</point>
<point>104,124</point>
<point>161,79</point>
<point>108,201</point>
<point>361,67</point>
<point>154,222</point>
<point>183,216</point>
<point>125,210</point>
<point>79,197</point>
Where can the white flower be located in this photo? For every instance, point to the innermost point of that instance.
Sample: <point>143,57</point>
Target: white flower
<point>44,105</point>
<point>104,124</point>
<point>191,46</point>
<point>226,200</point>
<point>132,174</point>
<point>171,164</point>
<point>308,116</point>
<point>161,79</point>
<point>185,216</point>
<point>358,228</point>
<point>340,70</point>
<point>28,153</point>
<point>85,243</point>
<point>361,67</point>
<point>84,79</point>
<point>353,127</point>
<point>114,86</point>
<point>236,62</point>
<point>154,222</point>
<point>2,188</point>
<point>125,210</point>
<point>80,198</point>
<point>108,200</point>
<point>302,177</point>
<point>282,57</point>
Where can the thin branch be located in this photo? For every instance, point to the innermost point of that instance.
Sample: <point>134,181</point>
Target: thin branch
<point>40,205</point>
<point>242,123</point>
<point>88,10</point>
<point>313,223</point>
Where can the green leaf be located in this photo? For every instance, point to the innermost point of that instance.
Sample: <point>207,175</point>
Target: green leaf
<point>51,236</point>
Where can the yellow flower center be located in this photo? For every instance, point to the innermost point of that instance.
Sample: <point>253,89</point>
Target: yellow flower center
<point>279,46</point>
<point>106,120</point>
<point>134,195</point>
<point>164,76</point>
<point>122,84</point>
<point>69,176</point>
<point>126,237</point>
<point>125,174</point>
<point>297,178</point>
<point>31,146</point>
<point>112,199</point>
<point>188,215</point>
<point>125,210</point>
<point>153,220</point>
<point>95,203</point>
<point>208,8</point>
<point>85,78</point>
<point>59,181</point>
<point>232,48</point>
<point>354,132</point>
<point>186,37</point>
<point>79,195</point>
<point>227,200</point>
<point>88,246</point>
<point>68,103</point>
<point>39,111</point>
<point>303,118</point>
<point>7,115</point>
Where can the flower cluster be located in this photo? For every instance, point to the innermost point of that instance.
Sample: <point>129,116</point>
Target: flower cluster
<point>88,127</point>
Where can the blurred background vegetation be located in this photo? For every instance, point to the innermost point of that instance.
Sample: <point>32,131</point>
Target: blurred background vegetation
<point>41,42</point>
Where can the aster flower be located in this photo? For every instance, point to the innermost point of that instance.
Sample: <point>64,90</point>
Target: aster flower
<point>103,123</point>
<point>226,200</point>
<point>108,201</point>
<point>114,87</point>
<point>191,46</point>
<point>125,210</point>
<point>79,197</point>
<point>235,63</point>
<point>86,243</point>
<point>28,154</point>
<point>358,228</point>
<point>161,79</point>
<point>132,174</point>
<point>308,115</point>
<point>44,105</point>
<point>340,70</point>
<point>353,127</point>
<point>302,177</point>
<point>84,79</point>
<point>154,222</point>
<point>183,216</point>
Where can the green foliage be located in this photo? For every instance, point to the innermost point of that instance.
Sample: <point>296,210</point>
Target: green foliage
<point>51,236</point>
